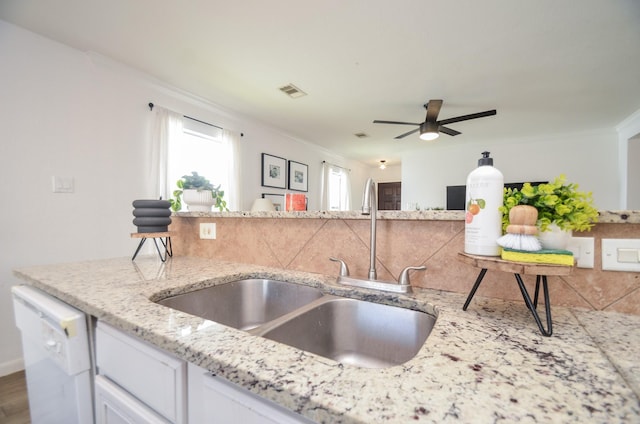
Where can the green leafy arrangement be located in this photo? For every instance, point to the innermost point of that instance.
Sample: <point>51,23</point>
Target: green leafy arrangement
<point>558,202</point>
<point>197,182</point>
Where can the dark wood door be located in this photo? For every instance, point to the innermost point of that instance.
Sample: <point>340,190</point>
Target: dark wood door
<point>389,196</point>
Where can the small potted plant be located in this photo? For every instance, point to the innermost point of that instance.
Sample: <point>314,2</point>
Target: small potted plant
<point>561,208</point>
<point>198,193</point>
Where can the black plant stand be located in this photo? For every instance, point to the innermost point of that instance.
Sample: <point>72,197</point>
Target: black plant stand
<point>165,240</point>
<point>541,271</point>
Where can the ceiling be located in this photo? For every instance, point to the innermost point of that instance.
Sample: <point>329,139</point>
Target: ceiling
<point>547,66</point>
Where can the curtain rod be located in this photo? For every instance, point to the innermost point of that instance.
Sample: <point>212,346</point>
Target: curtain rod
<point>151,105</point>
<point>337,166</point>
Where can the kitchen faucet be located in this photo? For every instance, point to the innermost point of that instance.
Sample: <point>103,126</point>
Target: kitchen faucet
<point>370,207</point>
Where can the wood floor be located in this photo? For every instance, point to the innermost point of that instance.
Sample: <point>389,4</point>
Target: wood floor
<point>14,405</point>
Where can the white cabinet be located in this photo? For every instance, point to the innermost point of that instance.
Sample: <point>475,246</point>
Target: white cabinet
<point>139,384</point>
<point>147,375</point>
<point>214,400</point>
<point>115,406</point>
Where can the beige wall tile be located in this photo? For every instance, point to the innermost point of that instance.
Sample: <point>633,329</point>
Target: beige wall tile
<point>306,244</point>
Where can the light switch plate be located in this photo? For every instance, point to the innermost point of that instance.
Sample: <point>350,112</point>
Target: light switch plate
<point>617,254</point>
<point>62,184</point>
<point>583,251</point>
<point>208,230</point>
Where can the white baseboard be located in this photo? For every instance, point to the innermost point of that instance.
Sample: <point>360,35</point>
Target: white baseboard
<point>10,367</point>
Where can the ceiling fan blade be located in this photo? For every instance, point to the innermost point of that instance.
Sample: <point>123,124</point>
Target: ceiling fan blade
<point>394,122</point>
<point>433,109</point>
<point>448,131</point>
<point>407,133</point>
<point>467,117</point>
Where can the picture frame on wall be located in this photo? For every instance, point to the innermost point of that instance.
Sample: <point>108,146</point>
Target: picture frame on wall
<point>274,172</point>
<point>277,200</point>
<point>298,176</point>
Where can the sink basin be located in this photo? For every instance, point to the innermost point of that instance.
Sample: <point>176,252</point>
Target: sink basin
<point>351,331</point>
<point>244,304</point>
<point>356,332</point>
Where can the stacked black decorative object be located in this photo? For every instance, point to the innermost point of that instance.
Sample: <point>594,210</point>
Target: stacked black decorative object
<point>152,216</point>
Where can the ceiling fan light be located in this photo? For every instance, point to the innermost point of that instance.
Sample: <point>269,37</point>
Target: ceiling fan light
<point>429,131</point>
<point>428,136</point>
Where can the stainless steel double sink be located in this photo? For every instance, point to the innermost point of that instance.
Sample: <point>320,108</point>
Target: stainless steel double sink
<point>350,331</point>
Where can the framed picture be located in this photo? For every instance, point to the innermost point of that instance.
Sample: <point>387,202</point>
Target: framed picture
<point>298,176</point>
<point>276,199</point>
<point>273,171</point>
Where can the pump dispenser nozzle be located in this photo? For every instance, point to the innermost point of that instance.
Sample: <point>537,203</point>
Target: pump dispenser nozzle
<point>485,159</point>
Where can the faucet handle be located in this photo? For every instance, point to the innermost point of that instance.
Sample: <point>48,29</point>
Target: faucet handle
<point>404,275</point>
<point>344,269</point>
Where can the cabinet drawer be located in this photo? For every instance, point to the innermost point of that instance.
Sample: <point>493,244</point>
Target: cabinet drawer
<point>217,401</point>
<point>153,376</point>
<point>115,406</point>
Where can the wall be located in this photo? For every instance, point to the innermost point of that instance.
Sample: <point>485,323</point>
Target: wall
<point>260,140</point>
<point>628,157</point>
<point>69,113</point>
<point>589,159</point>
<point>391,174</point>
<point>306,245</point>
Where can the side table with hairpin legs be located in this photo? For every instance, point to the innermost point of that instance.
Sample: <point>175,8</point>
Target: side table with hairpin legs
<point>165,240</point>
<point>541,271</point>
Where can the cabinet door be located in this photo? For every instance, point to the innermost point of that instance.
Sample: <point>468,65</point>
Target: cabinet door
<point>214,400</point>
<point>115,406</point>
<point>151,375</point>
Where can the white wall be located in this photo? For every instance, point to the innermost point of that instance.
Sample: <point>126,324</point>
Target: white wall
<point>257,141</point>
<point>390,174</point>
<point>588,159</point>
<point>67,113</point>
<point>628,158</point>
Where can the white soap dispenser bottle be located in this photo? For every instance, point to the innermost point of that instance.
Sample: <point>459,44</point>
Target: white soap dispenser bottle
<point>483,219</point>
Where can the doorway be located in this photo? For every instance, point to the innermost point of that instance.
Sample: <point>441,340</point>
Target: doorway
<point>389,196</point>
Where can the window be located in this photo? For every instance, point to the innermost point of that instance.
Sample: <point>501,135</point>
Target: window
<point>336,188</point>
<point>199,147</point>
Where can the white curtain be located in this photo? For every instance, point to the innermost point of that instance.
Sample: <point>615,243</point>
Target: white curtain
<point>233,194</point>
<point>335,189</point>
<point>166,124</point>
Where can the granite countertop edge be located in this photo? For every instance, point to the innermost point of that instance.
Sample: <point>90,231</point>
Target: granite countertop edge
<point>605,217</point>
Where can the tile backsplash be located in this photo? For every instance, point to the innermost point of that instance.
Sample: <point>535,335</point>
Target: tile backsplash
<point>306,245</point>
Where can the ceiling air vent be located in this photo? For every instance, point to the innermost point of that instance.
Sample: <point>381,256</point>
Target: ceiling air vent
<point>292,91</point>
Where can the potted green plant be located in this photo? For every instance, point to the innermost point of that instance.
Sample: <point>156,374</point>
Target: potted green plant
<point>561,206</point>
<point>198,193</point>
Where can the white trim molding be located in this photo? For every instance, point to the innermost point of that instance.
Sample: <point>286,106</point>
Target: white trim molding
<point>627,129</point>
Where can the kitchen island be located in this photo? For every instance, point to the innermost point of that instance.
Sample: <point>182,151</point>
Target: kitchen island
<point>487,364</point>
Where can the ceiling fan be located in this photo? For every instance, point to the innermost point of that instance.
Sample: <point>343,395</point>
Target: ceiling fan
<point>431,127</point>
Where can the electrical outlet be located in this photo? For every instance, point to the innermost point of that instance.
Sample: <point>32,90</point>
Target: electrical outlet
<point>583,251</point>
<point>208,230</point>
<point>621,254</point>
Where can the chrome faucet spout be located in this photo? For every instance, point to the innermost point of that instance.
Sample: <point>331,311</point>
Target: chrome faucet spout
<point>370,207</point>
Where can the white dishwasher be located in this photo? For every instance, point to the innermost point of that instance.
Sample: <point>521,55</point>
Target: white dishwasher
<point>55,344</point>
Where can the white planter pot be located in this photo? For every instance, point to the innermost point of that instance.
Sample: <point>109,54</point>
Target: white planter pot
<point>198,201</point>
<point>555,238</point>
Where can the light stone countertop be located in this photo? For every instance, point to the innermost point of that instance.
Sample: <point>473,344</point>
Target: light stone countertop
<point>487,364</point>
<point>605,217</point>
